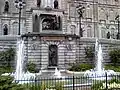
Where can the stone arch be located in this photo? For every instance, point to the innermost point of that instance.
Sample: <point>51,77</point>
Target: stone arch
<point>6,6</point>
<point>72,28</point>
<point>53,55</point>
<point>102,31</point>
<point>36,22</point>
<point>102,14</point>
<point>89,31</point>
<point>88,11</point>
<point>112,14</point>
<point>15,28</point>
<point>113,32</point>
<point>5,29</point>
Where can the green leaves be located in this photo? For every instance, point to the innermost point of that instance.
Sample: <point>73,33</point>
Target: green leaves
<point>31,67</point>
<point>81,67</point>
<point>89,52</point>
<point>115,56</point>
<point>7,56</point>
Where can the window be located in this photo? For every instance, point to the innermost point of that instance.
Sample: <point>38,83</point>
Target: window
<point>113,33</point>
<point>116,0</point>
<point>51,22</point>
<point>103,32</point>
<point>15,28</point>
<point>5,29</point>
<point>72,27</point>
<point>89,31</point>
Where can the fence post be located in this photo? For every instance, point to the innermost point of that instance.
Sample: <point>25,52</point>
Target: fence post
<point>106,80</point>
<point>73,82</point>
<point>35,83</point>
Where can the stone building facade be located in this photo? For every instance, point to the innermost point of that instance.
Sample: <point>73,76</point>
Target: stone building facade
<point>98,17</point>
<point>54,25</point>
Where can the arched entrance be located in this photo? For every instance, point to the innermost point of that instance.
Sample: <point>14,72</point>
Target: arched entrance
<point>53,55</point>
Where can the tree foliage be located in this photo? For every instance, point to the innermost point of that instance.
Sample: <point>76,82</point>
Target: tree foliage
<point>7,56</point>
<point>115,56</point>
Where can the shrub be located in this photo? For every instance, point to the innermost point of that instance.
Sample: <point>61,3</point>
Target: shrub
<point>89,52</point>
<point>111,67</point>
<point>6,83</point>
<point>115,56</point>
<point>81,67</point>
<point>31,67</point>
<point>7,56</point>
<point>5,70</point>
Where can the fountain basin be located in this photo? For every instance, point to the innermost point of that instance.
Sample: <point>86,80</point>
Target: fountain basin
<point>99,75</point>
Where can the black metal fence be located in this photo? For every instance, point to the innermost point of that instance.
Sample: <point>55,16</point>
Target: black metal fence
<point>73,83</point>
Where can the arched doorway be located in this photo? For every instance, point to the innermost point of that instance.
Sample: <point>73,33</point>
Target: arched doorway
<point>53,55</point>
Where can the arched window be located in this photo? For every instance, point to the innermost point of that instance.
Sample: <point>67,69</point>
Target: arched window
<point>72,27</point>
<point>103,32</point>
<point>36,23</point>
<point>89,31</point>
<point>5,29</point>
<point>112,15</point>
<point>15,28</point>
<point>89,11</point>
<point>102,14</point>
<point>113,33</point>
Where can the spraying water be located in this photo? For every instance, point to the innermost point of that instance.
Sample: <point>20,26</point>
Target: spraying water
<point>98,72</point>
<point>99,65</point>
<point>20,60</point>
<point>57,73</point>
<point>98,57</point>
<point>20,75</point>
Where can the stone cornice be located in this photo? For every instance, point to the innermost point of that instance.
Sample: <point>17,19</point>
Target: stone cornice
<point>10,16</point>
<point>47,10</point>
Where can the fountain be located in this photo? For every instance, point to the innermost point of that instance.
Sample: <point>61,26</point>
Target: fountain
<point>25,77</point>
<point>20,75</point>
<point>98,72</point>
<point>57,73</point>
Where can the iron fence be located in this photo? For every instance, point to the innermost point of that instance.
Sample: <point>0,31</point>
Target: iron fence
<point>74,82</point>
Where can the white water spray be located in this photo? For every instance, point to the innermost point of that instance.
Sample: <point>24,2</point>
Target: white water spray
<point>99,65</point>
<point>20,60</point>
<point>20,75</point>
<point>98,72</point>
<point>57,73</point>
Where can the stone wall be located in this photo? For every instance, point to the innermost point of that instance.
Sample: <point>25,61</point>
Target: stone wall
<point>107,46</point>
<point>7,42</point>
<point>37,51</point>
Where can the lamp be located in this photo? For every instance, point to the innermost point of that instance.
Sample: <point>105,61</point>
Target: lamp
<point>20,4</point>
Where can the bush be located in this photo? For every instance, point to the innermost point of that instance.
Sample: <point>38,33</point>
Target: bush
<point>5,70</point>
<point>115,56</point>
<point>81,67</point>
<point>111,67</point>
<point>7,56</point>
<point>6,83</point>
<point>31,67</point>
<point>89,52</point>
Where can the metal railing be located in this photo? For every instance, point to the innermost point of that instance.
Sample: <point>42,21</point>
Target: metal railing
<point>73,83</point>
